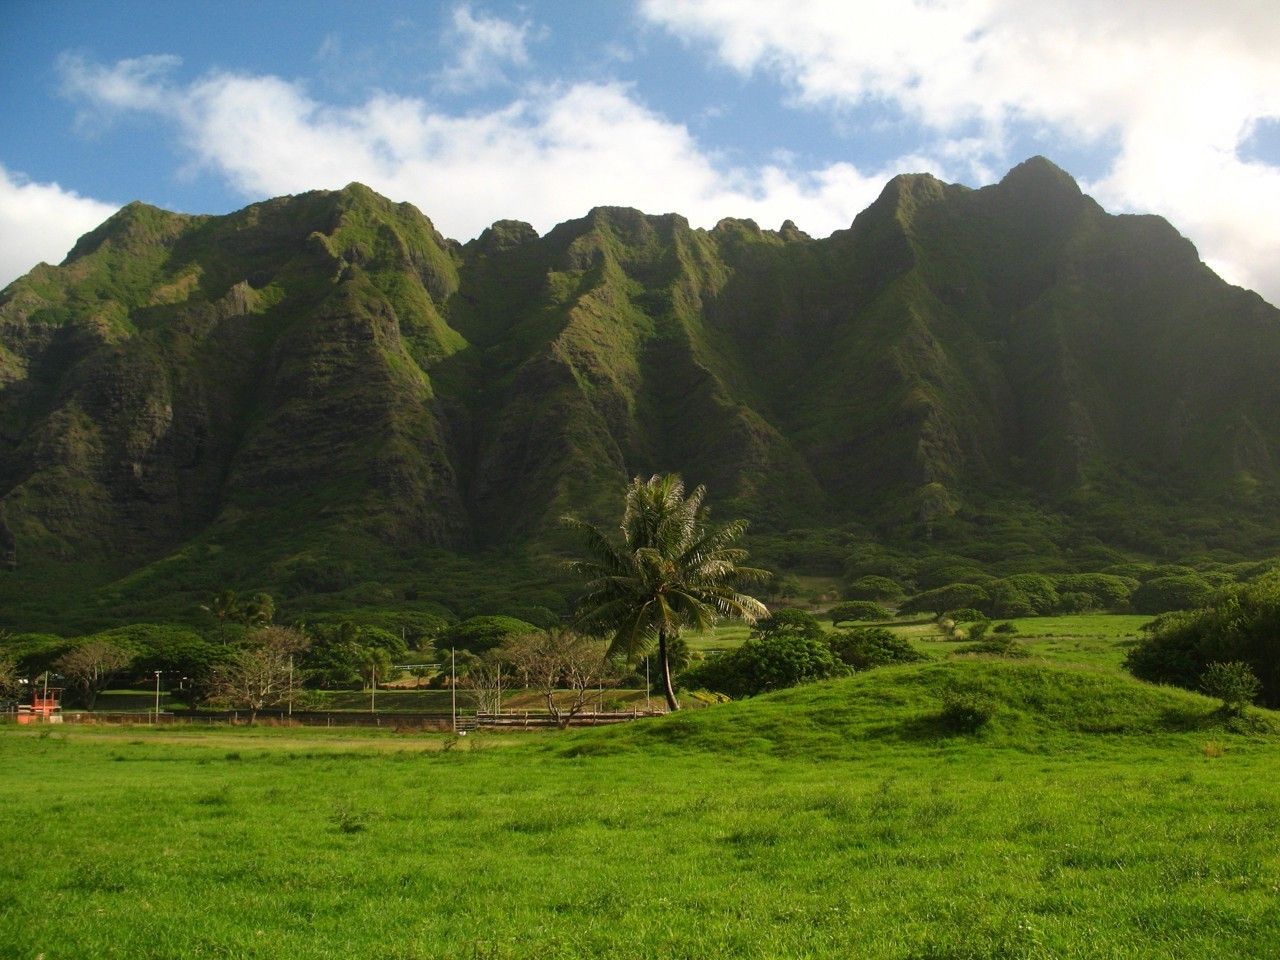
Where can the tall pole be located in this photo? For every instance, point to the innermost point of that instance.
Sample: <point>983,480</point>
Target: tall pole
<point>453,686</point>
<point>373,691</point>
<point>647,687</point>
<point>290,685</point>
<point>157,696</point>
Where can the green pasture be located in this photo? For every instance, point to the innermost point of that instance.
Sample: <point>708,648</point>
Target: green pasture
<point>1092,816</point>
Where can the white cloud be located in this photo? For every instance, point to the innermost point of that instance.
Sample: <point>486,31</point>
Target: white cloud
<point>41,221</point>
<point>547,156</point>
<point>1177,86</point>
<point>486,46</point>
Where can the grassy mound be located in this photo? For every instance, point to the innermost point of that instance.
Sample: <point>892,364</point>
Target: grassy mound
<point>1030,706</point>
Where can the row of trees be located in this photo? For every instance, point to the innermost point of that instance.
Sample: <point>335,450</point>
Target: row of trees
<point>217,668</point>
<point>1033,594</point>
<point>670,570</point>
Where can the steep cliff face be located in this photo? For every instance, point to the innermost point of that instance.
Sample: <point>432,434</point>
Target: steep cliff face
<point>326,370</point>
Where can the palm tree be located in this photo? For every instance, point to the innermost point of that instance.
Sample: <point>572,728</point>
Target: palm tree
<point>672,570</point>
<point>224,607</point>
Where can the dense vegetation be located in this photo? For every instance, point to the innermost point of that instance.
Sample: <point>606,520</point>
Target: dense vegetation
<point>321,398</point>
<point>1240,626</point>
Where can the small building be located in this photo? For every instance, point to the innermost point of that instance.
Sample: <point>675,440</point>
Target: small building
<point>46,706</point>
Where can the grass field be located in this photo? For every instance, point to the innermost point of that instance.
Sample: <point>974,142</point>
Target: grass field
<point>1092,816</point>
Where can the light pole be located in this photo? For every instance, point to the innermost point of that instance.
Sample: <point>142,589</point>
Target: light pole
<point>157,696</point>
<point>647,687</point>
<point>373,689</point>
<point>290,708</point>
<point>453,686</point>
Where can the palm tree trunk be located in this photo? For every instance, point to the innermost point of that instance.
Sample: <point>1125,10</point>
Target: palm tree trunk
<point>667,689</point>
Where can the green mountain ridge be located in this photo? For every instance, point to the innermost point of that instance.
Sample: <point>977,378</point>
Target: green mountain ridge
<point>323,381</point>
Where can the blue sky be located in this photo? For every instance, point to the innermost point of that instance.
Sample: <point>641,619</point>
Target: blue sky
<point>477,111</point>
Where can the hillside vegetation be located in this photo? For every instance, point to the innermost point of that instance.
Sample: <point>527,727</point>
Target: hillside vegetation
<point>322,397</point>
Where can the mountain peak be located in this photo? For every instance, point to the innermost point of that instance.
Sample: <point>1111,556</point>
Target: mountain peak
<point>1041,174</point>
<point>134,225</point>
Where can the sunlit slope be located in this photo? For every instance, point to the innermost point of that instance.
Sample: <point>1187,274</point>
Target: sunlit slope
<point>324,378</point>
<point>1032,707</point>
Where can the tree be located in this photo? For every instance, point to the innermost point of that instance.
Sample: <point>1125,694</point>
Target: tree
<point>1178,592</point>
<point>868,647</point>
<point>223,608</point>
<point>771,662</point>
<point>941,599</point>
<point>874,588</point>
<point>89,667</point>
<point>555,660</point>
<point>858,610</point>
<point>672,570</point>
<point>478,634</point>
<point>788,620</point>
<point>482,676</point>
<point>10,683</point>
<point>259,611</point>
<point>258,675</point>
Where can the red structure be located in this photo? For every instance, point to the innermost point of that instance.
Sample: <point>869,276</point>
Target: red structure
<point>46,707</point>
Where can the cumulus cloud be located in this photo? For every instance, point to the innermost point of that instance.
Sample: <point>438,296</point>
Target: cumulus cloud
<point>41,221</point>
<point>484,47</point>
<point>1172,89</point>
<point>547,156</point>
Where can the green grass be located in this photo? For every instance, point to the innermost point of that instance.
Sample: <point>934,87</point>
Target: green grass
<point>1092,817</point>
<point>1093,640</point>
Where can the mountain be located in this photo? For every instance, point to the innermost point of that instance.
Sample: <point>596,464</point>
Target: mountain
<point>321,393</point>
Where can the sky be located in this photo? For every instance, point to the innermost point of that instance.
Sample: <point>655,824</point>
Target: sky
<point>480,110</point>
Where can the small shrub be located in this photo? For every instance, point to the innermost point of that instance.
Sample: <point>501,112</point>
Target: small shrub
<point>349,821</point>
<point>1005,628</point>
<point>1213,749</point>
<point>966,712</point>
<point>1003,646</point>
<point>966,615</point>
<point>1234,683</point>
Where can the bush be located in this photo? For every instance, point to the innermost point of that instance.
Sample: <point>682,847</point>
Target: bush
<point>871,647</point>
<point>1233,683</point>
<point>1005,627</point>
<point>966,615</point>
<point>966,712</point>
<point>978,630</point>
<point>1240,625</point>
<point>1001,646</point>
<point>856,610</point>
<point>770,662</point>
